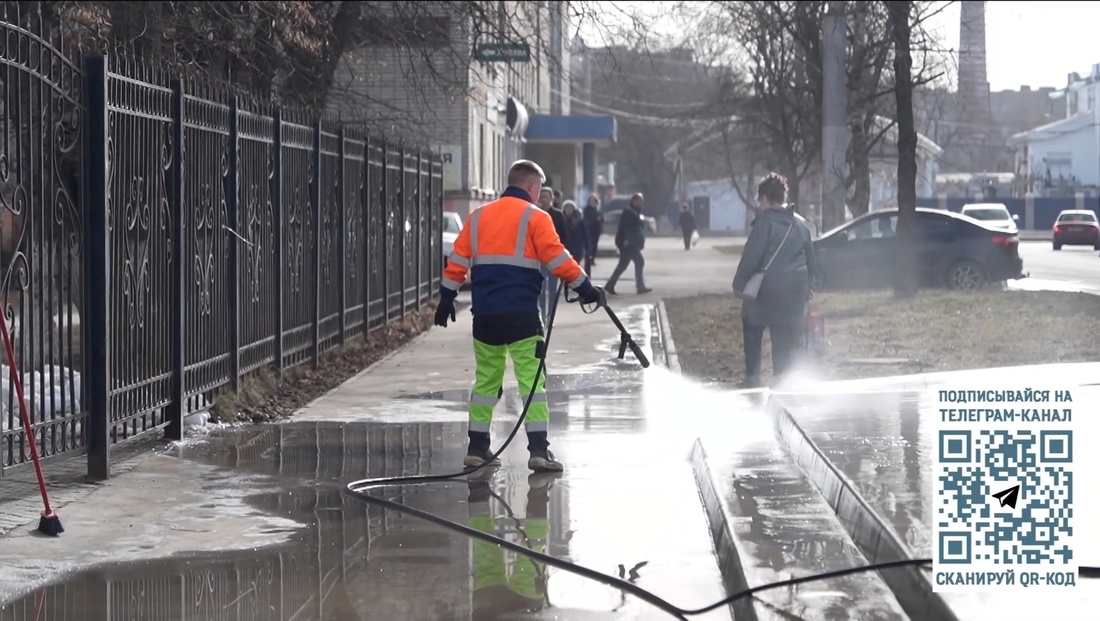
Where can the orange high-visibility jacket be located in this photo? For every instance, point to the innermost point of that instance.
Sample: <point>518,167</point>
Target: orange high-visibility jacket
<point>502,246</point>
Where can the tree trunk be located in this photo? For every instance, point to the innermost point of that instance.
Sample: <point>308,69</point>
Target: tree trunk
<point>860,162</point>
<point>905,279</point>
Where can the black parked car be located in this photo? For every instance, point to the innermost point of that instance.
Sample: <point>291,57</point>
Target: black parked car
<point>953,251</point>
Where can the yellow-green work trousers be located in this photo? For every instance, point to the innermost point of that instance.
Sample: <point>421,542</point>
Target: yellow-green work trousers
<point>493,567</point>
<point>491,363</point>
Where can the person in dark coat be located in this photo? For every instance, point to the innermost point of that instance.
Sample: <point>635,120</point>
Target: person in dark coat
<point>687,224</point>
<point>578,236</point>
<point>593,224</point>
<point>550,288</point>
<point>546,202</point>
<point>780,304</point>
<point>630,240</point>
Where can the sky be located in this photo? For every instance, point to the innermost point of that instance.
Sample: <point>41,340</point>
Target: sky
<point>1027,43</point>
<point>1033,43</point>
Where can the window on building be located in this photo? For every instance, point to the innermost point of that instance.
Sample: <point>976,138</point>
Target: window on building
<point>482,177</point>
<point>1092,97</point>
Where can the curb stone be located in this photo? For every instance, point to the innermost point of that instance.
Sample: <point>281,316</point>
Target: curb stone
<point>875,538</point>
<point>721,531</point>
<point>672,359</point>
<point>725,544</point>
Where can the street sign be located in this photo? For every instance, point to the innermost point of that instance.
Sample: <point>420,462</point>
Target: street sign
<point>503,52</point>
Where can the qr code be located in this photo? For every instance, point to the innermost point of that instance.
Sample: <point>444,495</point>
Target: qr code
<point>982,519</point>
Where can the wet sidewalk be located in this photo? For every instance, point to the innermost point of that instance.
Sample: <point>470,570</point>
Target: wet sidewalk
<point>877,439</point>
<point>251,522</point>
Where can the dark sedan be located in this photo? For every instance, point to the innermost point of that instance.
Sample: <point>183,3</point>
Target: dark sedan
<point>953,251</point>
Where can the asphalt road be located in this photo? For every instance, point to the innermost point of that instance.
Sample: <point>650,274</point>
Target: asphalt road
<point>1073,268</point>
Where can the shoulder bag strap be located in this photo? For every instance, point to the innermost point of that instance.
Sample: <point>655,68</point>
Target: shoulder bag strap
<point>780,247</point>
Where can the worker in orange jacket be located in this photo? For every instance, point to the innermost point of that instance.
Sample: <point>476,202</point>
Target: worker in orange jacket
<point>502,246</point>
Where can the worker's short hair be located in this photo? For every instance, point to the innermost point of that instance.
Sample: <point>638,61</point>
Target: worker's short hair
<point>773,188</point>
<point>523,171</point>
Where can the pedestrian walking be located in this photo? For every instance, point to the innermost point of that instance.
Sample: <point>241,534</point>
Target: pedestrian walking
<point>630,240</point>
<point>593,223</point>
<point>687,224</point>
<point>774,279</point>
<point>578,233</point>
<point>503,247</point>
<point>548,203</point>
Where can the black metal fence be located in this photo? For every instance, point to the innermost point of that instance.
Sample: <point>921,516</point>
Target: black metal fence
<point>164,238</point>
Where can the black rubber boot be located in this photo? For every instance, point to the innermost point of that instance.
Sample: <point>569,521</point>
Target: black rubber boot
<point>478,498</point>
<point>479,452</point>
<point>542,460</point>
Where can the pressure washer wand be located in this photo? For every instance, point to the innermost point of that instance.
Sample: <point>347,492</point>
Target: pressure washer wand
<point>625,340</point>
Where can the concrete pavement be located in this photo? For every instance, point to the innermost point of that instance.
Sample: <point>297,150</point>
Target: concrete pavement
<point>227,490</point>
<point>1073,268</point>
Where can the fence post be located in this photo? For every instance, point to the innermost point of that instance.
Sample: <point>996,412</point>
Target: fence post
<point>403,202</point>
<point>96,322</point>
<point>276,190</point>
<point>233,216</point>
<point>176,406</point>
<point>420,237</point>
<point>384,205</point>
<point>367,245</point>
<point>315,198</point>
<point>341,243</point>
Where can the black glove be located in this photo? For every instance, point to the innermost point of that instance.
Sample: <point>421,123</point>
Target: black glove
<point>445,309</point>
<point>590,294</point>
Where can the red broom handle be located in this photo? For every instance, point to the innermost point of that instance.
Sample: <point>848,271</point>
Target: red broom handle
<point>27,428</point>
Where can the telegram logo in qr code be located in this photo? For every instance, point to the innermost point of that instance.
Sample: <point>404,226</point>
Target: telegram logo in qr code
<point>1005,498</point>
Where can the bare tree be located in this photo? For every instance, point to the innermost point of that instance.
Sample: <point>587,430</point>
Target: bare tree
<point>779,43</point>
<point>905,281</point>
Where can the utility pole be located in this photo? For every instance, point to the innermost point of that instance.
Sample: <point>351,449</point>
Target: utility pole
<point>834,114</point>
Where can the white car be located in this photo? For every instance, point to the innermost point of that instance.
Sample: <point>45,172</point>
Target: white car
<point>993,215</point>
<point>452,224</point>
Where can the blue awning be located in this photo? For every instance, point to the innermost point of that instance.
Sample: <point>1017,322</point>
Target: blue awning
<point>572,128</point>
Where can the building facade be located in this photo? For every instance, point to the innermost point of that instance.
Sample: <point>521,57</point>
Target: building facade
<point>484,84</point>
<point>1062,158</point>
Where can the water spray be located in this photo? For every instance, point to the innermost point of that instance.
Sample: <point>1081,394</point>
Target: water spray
<point>359,489</point>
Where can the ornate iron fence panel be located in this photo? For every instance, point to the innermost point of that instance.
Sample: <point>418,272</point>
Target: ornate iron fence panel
<point>330,227</point>
<point>423,229</point>
<point>204,248</point>
<point>377,244</point>
<point>192,240</point>
<point>410,183</point>
<point>355,192</point>
<point>40,240</point>
<point>296,158</point>
<point>259,227</point>
<point>140,217</point>
<point>395,234</point>
<point>435,239</point>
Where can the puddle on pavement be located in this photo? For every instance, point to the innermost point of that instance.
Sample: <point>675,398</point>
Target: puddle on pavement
<point>352,560</point>
<point>885,443</point>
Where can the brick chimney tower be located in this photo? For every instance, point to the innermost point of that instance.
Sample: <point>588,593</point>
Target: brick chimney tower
<point>975,116</point>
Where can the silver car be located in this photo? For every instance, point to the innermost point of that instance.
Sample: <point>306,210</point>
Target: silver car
<point>452,224</point>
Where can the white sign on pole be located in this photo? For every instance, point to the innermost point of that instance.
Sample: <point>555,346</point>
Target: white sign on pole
<point>452,166</point>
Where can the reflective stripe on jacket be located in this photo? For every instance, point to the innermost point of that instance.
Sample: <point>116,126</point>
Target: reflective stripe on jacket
<point>502,246</point>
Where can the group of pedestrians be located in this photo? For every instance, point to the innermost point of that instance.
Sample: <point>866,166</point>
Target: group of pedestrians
<point>580,232</point>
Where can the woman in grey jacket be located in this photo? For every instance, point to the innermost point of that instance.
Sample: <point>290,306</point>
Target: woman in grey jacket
<point>781,237</point>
